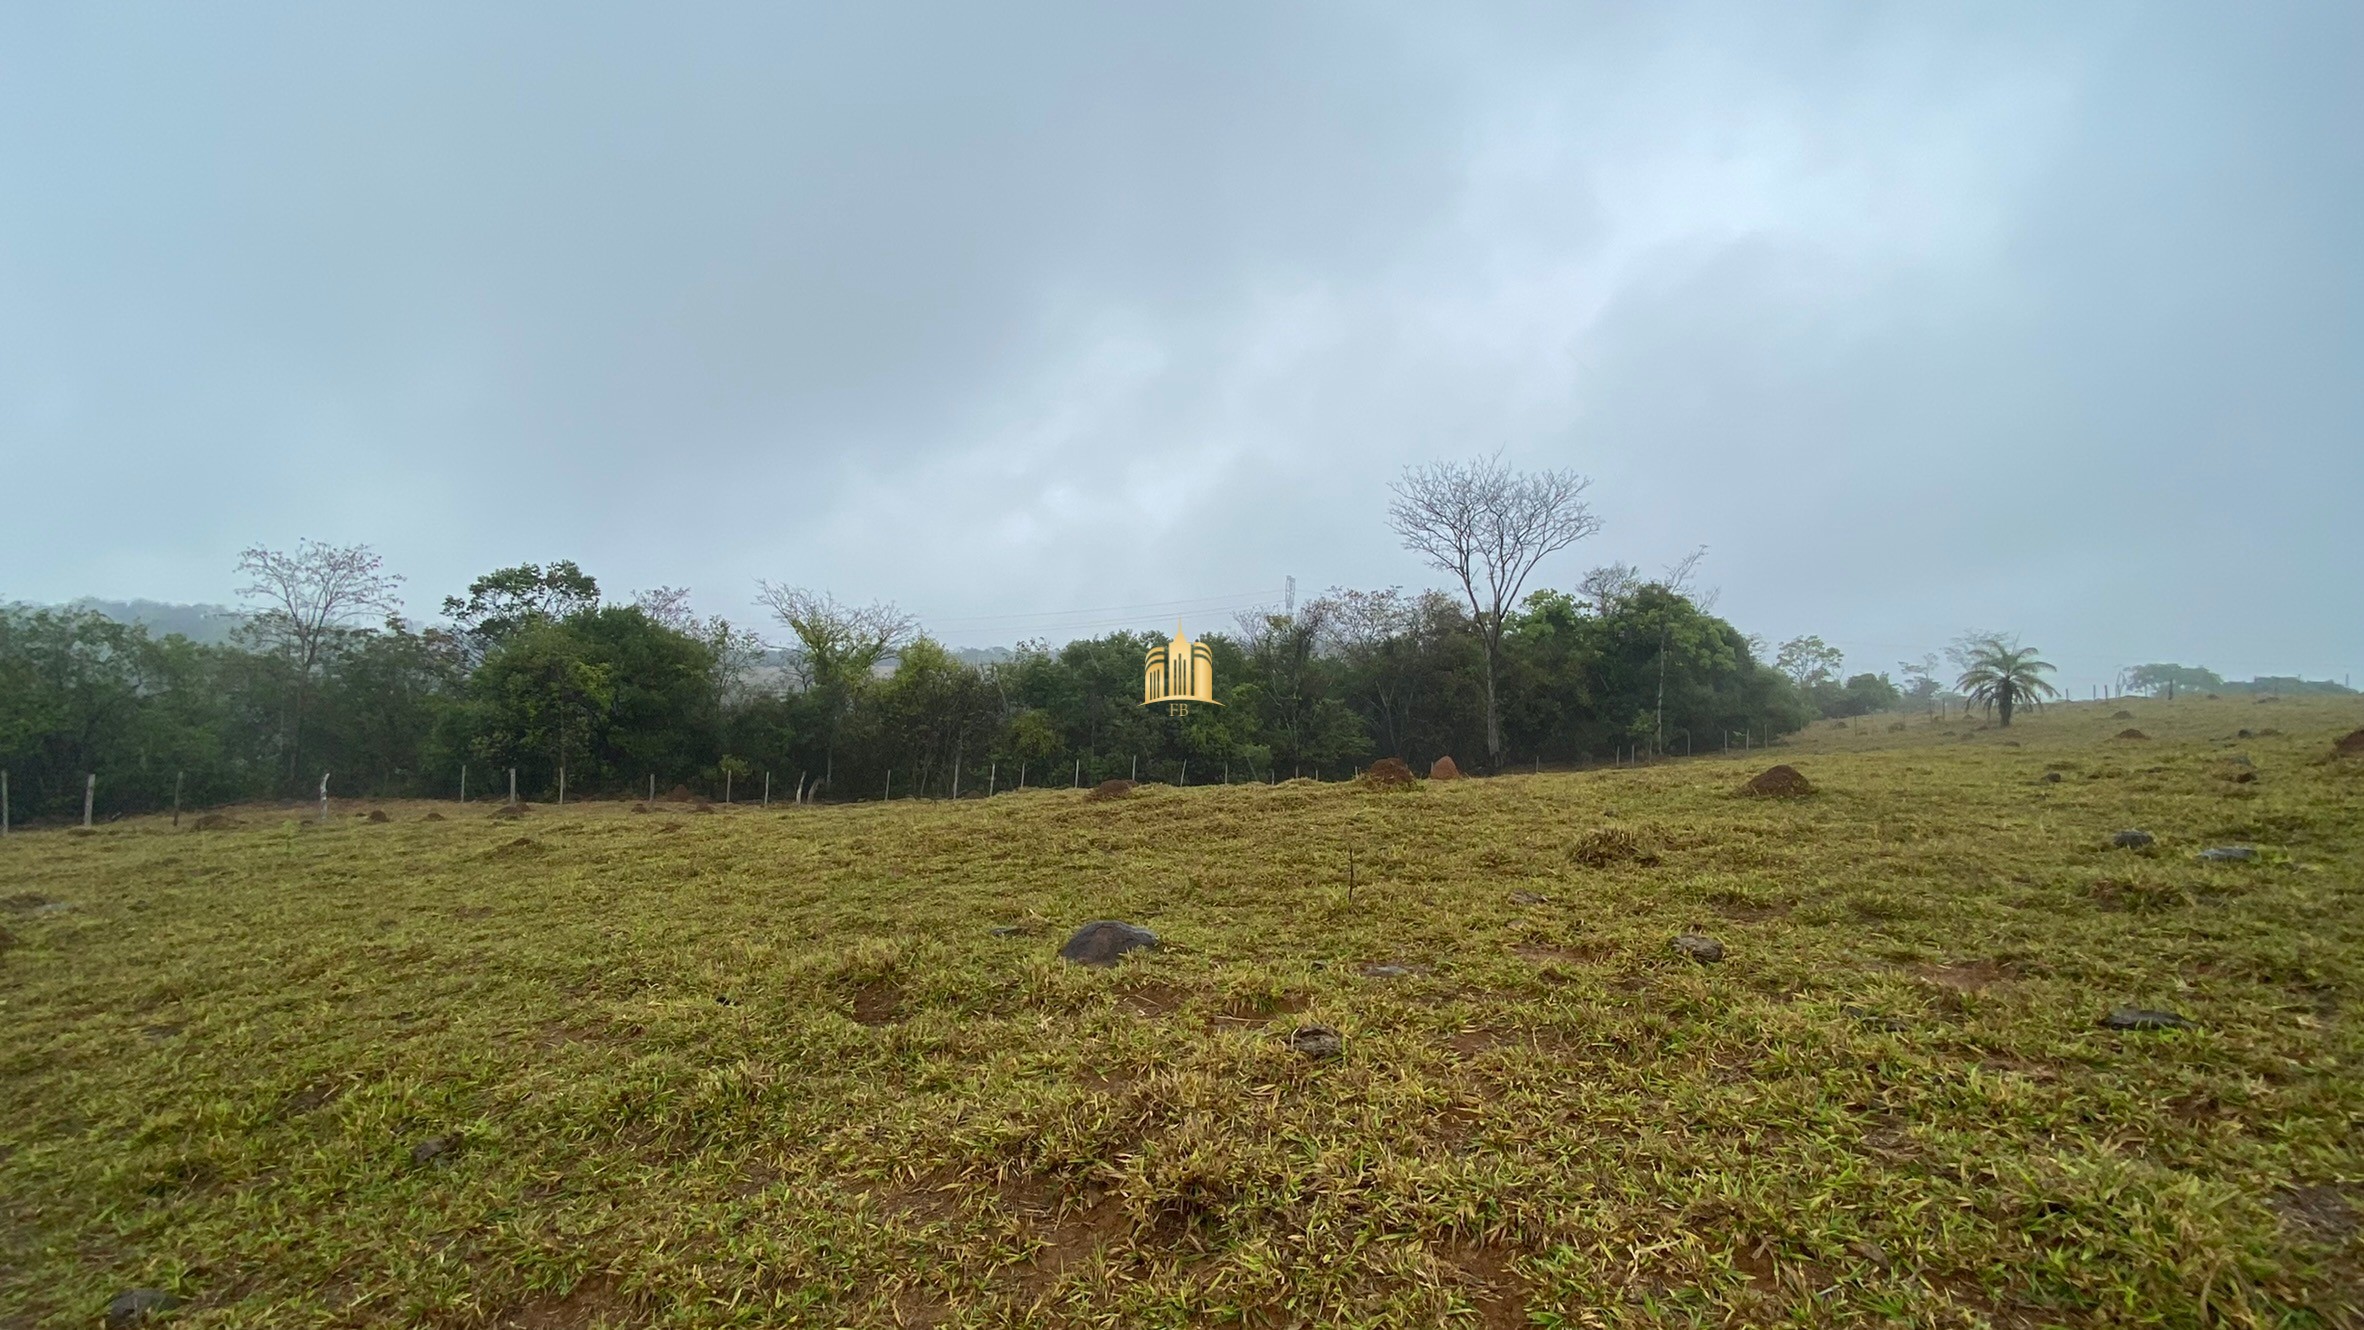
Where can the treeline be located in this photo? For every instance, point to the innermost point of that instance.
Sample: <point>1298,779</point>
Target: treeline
<point>535,669</point>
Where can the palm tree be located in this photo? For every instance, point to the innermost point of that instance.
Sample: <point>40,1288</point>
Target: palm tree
<point>1999,674</point>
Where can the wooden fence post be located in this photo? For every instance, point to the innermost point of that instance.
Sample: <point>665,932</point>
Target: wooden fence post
<point>3,802</point>
<point>512,787</point>
<point>89,795</point>
<point>176,798</point>
<point>767,787</point>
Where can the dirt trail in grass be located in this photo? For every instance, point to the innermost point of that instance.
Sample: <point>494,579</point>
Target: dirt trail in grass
<point>821,1066</point>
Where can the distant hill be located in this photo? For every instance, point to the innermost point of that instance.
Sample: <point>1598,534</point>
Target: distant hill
<point>2279,685</point>
<point>199,623</point>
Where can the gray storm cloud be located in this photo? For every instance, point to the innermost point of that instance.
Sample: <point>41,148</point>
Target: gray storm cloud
<point>2037,318</point>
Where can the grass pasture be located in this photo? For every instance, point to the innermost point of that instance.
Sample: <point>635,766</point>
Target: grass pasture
<point>819,1067</point>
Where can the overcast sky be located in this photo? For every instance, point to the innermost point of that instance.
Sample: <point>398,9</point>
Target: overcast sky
<point>2047,319</point>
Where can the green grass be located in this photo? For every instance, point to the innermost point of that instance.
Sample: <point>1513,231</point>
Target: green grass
<point>776,1067</point>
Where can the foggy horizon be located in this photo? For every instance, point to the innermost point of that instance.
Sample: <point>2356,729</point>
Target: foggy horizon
<point>1921,321</point>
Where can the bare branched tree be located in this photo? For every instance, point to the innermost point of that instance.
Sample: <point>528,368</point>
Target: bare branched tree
<point>303,599</point>
<point>838,645</point>
<point>1609,586</point>
<point>670,606</point>
<point>1489,526</point>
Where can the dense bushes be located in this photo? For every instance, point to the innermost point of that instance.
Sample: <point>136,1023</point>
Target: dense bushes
<point>537,672</point>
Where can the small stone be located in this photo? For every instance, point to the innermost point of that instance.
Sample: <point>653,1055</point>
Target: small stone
<point>2132,840</point>
<point>2137,1018</point>
<point>377,815</point>
<point>1316,1041</point>
<point>2227,854</point>
<point>132,1306</point>
<point>2052,778</point>
<point>1103,942</point>
<point>1525,897</point>
<point>2243,734</point>
<point>431,1149</point>
<point>1700,947</point>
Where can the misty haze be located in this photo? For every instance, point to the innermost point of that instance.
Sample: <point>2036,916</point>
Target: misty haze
<point>1214,665</point>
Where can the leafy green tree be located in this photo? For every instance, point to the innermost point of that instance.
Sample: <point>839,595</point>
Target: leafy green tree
<point>2000,675</point>
<point>1809,661</point>
<point>381,703</point>
<point>541,700</point>
<point>2166,680</point>
<point>1860,695</point>
<point>504,601</point>
<point>840,648</point>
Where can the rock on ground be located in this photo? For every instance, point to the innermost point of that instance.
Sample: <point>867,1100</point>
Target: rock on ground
<point>2228,854</point>
<point>1700,947</point>
<point>132,1306</point>
<point>1103,942</point>
<point>2131,839</point>
<point>1317,1041</point>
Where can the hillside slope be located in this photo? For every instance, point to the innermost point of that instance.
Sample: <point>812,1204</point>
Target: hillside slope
<point>823,1066</point>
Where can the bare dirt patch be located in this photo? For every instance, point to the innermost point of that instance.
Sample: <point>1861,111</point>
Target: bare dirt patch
<point>1154,999</point>
<point>879,1002</point>
<point>1072,1235</point>
<point>1556,962</point>
<point>1110,789</point>
<point>1253,1011</point>
<point>2351,745</point>
<point>1965,976</point>
<point>2324,1213</point>
<point>1489,1278</point>
<point>597,1299</point>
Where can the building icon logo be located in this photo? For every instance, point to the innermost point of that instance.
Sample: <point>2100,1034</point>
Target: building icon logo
<point>1179,673</point>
